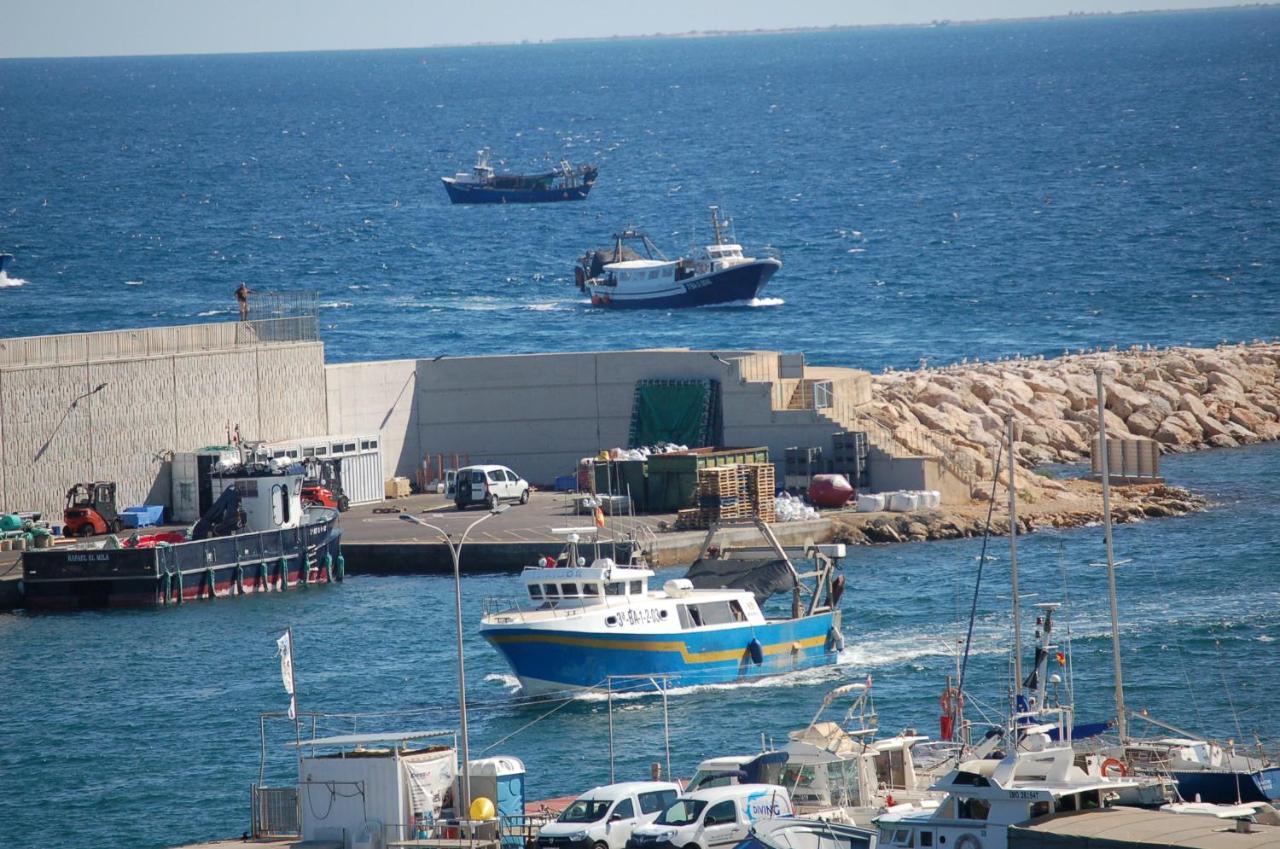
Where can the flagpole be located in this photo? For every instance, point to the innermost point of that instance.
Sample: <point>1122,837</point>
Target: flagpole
<point>293,703</point>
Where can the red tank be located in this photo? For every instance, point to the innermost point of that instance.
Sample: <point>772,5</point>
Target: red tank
<point>830,491</point>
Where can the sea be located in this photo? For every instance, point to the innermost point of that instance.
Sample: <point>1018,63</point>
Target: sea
<point>936,194</point>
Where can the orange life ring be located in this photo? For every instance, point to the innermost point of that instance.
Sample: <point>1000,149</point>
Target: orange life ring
<point>951,696</point>
<point>1115,763</point>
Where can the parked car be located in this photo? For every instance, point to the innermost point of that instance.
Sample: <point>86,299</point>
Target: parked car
<point>488,485</point>
<point>603,818</point>
<point>715,818</point>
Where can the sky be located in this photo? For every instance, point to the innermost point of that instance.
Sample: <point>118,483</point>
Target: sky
<point>48,28</point>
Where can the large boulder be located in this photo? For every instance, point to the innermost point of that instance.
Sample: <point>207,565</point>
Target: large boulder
<point>1124,401</point>
<point>1143,422</point>
<point>1178,431</point>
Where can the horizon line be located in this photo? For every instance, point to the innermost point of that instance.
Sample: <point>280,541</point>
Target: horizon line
<point>712,33</point>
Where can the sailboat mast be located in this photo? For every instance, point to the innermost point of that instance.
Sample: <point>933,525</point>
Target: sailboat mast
<point>1122,719</point>
<point>1013,567</point>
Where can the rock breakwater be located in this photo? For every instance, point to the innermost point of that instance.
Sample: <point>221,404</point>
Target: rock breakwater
<point>1183,398</point>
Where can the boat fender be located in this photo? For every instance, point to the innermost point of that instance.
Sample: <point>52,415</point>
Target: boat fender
<point>888,801</point>
<point>968,841</point>
<point>837,589</point>
<point>795,647</point>
<point>342,567</point>
<point>263,581</point>
<point>284,574</point>
<point>304,570</point>
<point>164,586</point>
<point>835,640</point>
<point>756,651</point>
<point>208,577</point>
<point>178,574</point>
<point>239,579</point>
<point>1113,764</point>
<point>328,567</point>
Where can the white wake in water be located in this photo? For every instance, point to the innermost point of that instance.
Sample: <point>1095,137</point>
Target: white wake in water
<point>7,282</point>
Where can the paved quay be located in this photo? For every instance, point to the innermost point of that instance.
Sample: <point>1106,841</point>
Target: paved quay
<point>380,543</point>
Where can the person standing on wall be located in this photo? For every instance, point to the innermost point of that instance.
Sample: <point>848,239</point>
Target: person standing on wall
<point>242,296</point>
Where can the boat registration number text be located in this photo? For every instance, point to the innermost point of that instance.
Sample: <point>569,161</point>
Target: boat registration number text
<point>643,616</point>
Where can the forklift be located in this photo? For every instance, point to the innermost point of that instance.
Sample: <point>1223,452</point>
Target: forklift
<point>322,485</point>
<point>91,510</point>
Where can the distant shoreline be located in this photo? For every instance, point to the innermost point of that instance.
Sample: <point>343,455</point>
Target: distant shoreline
<point>690,34</point>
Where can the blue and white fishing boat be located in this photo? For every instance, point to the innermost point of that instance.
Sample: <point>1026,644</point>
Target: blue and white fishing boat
<point>635,274</point>
<point>582,626</point>
<point>483,185</point>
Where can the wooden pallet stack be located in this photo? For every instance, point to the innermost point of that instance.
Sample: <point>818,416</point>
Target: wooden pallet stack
<point>740,491</point>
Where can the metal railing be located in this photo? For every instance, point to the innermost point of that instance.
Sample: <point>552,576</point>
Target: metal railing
<point>275,811</point>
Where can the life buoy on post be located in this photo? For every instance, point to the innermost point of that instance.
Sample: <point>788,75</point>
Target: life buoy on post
<point>1113,764</point>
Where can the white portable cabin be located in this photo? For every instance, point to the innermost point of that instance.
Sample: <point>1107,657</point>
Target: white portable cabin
<point>190,472</point>
<point>374,787</point>
<point>359,461</point>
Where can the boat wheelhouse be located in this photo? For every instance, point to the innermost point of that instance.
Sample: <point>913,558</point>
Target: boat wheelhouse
<point>985,797</point>
<point>590,625</point>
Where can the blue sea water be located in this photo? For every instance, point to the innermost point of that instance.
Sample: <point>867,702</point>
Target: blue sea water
<point>1011,187</point>
<point>941,193</point>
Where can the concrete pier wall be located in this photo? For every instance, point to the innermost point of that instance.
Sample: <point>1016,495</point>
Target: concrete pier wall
<point>541,413</point>
<point>162,390</point>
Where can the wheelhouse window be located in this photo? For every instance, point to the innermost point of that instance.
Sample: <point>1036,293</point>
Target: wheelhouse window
<point>535,592</point>
<point>613,588</point>
<point>637,587</point>
<point>569,590</point>
<point>590,589</point>
<point>550,591</point>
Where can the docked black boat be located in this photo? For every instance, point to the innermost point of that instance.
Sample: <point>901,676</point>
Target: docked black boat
<point>257,537</point>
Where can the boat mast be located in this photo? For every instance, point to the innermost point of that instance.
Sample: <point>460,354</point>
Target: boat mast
<point>1122,721</point>
<point>715,223</point>
<point>1013,568</point>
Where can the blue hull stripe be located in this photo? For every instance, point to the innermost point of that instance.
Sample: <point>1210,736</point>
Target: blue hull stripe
<point>586,659</point>
<point>741,283</point>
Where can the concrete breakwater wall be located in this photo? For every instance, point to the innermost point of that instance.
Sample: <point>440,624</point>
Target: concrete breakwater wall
<point>1183,398</point>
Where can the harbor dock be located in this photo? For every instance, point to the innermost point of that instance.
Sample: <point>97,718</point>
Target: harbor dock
<point>1133,828</point>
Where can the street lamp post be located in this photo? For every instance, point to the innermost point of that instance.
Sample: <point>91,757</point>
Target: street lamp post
<point>456,552</point>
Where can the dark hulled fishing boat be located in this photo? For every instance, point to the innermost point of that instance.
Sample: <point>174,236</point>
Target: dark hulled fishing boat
<point>482,185</point>
<point>257,537</point>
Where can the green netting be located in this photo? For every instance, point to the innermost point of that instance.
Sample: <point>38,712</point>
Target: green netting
<point>686,412</point>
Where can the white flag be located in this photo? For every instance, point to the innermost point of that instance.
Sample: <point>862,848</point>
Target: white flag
<point>284,648</point>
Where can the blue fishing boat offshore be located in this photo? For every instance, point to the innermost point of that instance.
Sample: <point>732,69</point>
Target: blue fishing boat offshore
<point>582,625</point>
<point>482,185</point>
<point>635,274</point>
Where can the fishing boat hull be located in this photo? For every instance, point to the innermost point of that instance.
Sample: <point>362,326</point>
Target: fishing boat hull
<point>549,660</point>
<point>265,561</point>
<point>738,283</point>
<point>1228,788</point>
<point>474,193</point>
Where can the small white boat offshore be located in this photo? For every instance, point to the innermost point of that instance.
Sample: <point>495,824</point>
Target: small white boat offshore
<point>582,626</point>
<point>635,274</point>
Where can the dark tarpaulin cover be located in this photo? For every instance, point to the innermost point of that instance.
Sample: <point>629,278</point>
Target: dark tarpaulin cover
<point>683,412</point>
<point>764,578</point>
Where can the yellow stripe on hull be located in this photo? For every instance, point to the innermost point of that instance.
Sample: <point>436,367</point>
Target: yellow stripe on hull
<point>657,645</point>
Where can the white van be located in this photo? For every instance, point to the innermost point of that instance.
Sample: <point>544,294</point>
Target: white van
<point>603,818</point>
<point>714,818</point>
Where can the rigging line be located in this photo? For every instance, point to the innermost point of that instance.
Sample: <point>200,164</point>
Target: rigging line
<point>1182,662</point>
<point>982,560</point>
<point>1235,717</point>
<point>1066,604</point>
<point>528,725</point>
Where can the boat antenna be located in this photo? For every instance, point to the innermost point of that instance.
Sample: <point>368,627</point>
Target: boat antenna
<point>1013,566</point>
<point>977,586</point>
<point>715,223</point>
<point>1122,720</point>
